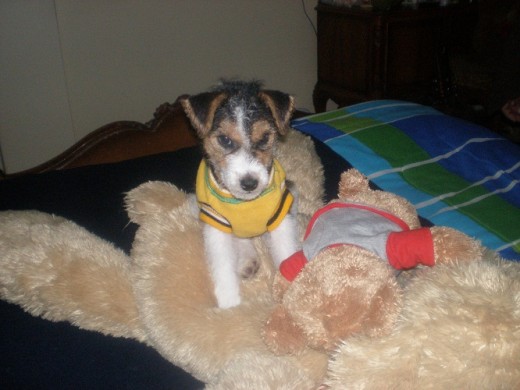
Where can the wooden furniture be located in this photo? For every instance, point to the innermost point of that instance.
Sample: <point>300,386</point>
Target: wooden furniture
<point>368,54</point>
<point>169,130</point>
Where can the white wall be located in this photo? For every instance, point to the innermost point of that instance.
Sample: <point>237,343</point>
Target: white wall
<point>35,118</point>
<point>70,66</point>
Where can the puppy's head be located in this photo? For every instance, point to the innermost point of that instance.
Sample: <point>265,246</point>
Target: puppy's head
<point>238,124</point>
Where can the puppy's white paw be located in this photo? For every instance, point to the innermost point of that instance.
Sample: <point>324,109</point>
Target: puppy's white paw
<point>227,299</point>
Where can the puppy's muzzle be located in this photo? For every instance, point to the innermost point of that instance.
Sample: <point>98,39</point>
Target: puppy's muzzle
<point>249,183</point>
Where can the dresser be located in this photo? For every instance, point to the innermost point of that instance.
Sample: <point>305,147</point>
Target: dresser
<point>399,54</point>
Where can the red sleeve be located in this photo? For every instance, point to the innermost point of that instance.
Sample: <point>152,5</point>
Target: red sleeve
<point>291,267</point>
<point>410,248</point>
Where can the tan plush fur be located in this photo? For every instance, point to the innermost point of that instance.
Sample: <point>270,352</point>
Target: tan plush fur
<point>459,329</point>
<point>458,326</point>
<point>340,293</point>
<point>59,271</point>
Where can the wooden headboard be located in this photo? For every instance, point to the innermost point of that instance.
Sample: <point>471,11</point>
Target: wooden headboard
<point>169,130</point>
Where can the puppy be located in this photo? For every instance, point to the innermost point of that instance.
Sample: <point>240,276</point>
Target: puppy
<point>241,190</point>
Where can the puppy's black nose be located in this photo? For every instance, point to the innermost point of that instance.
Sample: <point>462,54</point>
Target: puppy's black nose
<point>248,183</point>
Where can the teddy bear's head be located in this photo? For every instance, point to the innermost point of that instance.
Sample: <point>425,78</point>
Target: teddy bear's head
<point>354,187</point>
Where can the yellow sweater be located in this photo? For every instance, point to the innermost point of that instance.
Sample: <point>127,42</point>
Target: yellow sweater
<point>244,218</point>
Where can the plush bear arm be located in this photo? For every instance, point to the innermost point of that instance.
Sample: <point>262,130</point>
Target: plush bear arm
<point>282,334</point>
<point>452,245</point>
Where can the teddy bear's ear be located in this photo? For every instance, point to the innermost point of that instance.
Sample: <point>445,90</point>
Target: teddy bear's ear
<point>352,182</point>
<point>152,198</point>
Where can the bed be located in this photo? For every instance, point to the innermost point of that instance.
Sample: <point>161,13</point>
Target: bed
<point>456,173</point>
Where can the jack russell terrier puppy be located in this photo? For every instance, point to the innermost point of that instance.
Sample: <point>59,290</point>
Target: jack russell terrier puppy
<point>241,190</point>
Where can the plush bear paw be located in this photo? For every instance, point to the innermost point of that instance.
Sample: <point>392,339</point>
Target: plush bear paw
<point>452,245</point>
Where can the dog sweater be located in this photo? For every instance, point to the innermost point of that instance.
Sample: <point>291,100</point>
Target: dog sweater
<point>244,218</point>
<point>367,227</point>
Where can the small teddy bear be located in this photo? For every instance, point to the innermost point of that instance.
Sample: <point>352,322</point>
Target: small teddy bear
<point>344,281</point>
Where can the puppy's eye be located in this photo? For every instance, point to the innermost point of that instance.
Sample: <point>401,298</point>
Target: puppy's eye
<point>263,143</point>
<point>225,142</point>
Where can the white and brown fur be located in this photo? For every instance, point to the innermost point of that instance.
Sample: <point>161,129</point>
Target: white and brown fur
<point>238,124</point>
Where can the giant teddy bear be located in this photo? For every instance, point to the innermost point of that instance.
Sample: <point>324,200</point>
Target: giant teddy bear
<point>458,315</point>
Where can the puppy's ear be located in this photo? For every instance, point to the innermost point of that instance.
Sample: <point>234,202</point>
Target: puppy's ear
<point>201,109</point>
<point>281,106</point>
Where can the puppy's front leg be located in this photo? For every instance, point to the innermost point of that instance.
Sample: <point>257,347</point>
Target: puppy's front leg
<point>222,261</point>
<point>284,240</point>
